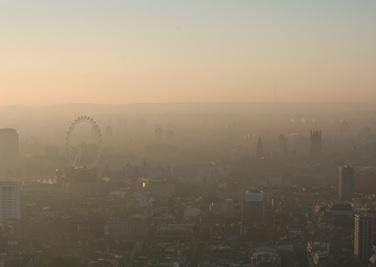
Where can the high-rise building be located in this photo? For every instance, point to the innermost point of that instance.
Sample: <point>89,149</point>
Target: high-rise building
<point>346,182</point>
<point>9,145</point>
<point>364,235</point>
<point>316,142</point>
<point>253,210</point>
<point>9,201</point>
<point>260,148</point>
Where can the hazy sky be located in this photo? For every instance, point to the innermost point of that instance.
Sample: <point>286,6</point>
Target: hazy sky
<point>126,51</point>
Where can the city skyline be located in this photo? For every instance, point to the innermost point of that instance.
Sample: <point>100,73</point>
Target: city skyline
<point>186,133</point>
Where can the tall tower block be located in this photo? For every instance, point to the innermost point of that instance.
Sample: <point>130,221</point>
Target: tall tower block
<point>316,142</point>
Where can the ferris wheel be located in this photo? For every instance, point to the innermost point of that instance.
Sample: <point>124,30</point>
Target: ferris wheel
<point>83,151</point>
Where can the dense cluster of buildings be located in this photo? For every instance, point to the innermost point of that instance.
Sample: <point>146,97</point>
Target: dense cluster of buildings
<point>263,212</point>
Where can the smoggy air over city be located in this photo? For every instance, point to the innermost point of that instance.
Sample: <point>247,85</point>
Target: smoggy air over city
<point>187,133</point>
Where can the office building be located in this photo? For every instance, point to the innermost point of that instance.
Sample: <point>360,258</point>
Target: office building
<point>316,142</point>
<point>346,183</point>
<point>9,201</point>
<point>9,145</point>
<point>253,210</point>
<point>364,235</point>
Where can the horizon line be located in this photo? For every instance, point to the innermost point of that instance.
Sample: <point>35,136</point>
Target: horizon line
<point>191,103</point>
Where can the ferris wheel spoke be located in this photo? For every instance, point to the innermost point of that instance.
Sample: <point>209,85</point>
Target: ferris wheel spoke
<point>75,155</point>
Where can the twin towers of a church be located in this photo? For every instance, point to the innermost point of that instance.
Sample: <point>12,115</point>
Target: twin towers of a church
<point>316,144</point>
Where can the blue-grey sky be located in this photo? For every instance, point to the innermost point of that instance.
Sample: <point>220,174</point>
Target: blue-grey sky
<point>127,51</point>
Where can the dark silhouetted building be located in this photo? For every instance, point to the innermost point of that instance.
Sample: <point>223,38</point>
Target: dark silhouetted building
<point>9,201</point>
<point>364,235</point>
<point>316,142</point>
<point>9,145</point>
<point>346,182</point>
<point>253,211</point>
